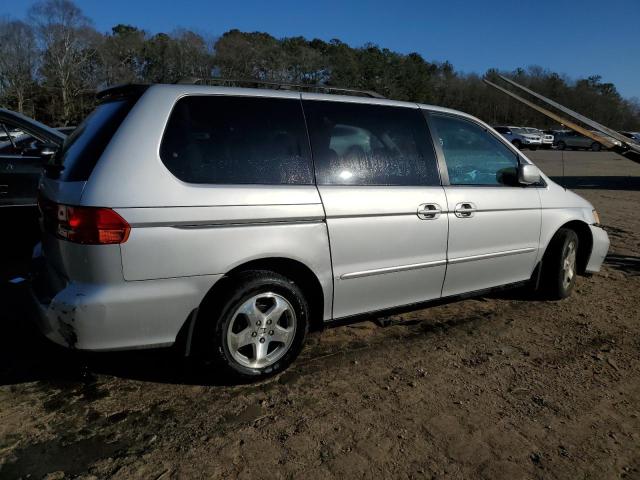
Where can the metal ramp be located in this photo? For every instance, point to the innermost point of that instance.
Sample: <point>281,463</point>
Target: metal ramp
<point>604,135</point>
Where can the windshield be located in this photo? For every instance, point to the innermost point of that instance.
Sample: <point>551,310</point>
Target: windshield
<point>82,149</point>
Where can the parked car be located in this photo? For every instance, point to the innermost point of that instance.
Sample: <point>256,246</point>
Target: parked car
<point>176,214</point>
<point>22,157</point>
<point>520,138</point>
<point>632,135</point>
<point>568,139</point>
<point>545,138</point>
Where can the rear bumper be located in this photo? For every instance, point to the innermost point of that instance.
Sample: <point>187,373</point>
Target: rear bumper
<point>127,315</point>
<point>599,249</point>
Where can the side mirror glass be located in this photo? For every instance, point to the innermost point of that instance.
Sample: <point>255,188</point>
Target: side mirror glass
<point>528,174</point>
<point>47,151</point>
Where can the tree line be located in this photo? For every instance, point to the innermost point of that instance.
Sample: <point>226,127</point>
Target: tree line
<point>53,61</point>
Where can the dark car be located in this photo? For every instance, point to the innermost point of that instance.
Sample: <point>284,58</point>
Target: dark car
<point>25,147</point>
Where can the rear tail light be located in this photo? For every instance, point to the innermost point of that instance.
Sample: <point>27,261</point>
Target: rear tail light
<point>86,225</point>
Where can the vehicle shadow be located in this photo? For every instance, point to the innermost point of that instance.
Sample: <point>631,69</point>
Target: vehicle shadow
<point>625,263</point>
<point>598,183</point>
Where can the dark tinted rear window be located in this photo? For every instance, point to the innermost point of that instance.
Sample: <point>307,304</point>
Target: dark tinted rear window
<point>83,148</point>
<point>360,144</point>
<point>237,140</point>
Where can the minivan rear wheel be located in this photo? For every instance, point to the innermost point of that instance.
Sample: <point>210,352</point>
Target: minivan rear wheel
<point>260,328</point>
<point>561,145</point>
<point>596,147</point>
<point>559,265</point>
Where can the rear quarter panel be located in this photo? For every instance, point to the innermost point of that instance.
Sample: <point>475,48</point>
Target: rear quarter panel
<point>189,241</point>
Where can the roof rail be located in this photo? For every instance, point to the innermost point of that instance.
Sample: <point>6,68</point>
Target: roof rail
<point>276,85</point>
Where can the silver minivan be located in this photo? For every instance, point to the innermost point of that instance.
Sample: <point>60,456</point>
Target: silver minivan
<point>230,220</point>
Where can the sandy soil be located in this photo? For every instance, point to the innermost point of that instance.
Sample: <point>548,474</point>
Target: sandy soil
<point>495,387</point>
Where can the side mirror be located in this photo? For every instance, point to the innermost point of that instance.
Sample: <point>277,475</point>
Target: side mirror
<point>528,174</point>
<point>46,152</point>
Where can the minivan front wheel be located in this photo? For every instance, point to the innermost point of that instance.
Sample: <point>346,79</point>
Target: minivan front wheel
<point>261,327</point>
<point>559,266</point>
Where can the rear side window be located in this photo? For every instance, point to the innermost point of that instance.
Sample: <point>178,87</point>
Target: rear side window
<point>359,144</point>
<point>237,140</point>
<point>83,148</point>
<point>473,155</point>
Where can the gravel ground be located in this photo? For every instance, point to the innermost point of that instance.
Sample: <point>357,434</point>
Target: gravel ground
<point>499,386</point>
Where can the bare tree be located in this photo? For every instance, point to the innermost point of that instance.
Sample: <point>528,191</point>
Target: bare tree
<point>18,57</point>
<point>69,47</point>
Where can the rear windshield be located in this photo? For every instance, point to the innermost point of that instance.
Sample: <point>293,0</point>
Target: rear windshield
<point>82,149</point>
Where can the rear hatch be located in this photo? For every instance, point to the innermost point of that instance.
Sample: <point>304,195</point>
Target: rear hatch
<point>65,178</point>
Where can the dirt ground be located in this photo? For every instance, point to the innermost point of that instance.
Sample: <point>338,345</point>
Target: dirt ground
<point>495,387</point>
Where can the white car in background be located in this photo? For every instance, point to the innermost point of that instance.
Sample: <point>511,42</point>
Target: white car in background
<point>547,138</point>
<point>520,138</point>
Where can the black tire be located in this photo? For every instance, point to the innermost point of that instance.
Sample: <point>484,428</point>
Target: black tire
<point>533,148</point>
<point>517,144</point>
<point>554,284</point>
<point>214,323</point>
<point>596,147</point>
<point>561,145</point>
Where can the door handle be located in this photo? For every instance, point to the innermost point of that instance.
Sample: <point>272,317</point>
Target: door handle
<point>465,210</point>
<point>428,211</point>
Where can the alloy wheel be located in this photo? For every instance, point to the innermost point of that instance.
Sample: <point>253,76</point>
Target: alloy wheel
<point>568,264</point>
<point>261,330</point>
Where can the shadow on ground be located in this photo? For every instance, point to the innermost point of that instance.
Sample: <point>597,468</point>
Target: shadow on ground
<point>598,183</point>
<point>625,263</point>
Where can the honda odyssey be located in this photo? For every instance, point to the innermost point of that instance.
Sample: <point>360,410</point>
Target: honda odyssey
<point>229,220</point>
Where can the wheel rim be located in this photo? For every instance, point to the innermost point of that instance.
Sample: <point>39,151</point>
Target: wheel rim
<point>569,264</point>
<point>261,330</point>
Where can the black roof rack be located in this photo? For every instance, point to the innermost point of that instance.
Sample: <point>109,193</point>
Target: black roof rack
<point>276,85</point>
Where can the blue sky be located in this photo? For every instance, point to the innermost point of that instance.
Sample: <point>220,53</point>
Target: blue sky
<point>578,38</point>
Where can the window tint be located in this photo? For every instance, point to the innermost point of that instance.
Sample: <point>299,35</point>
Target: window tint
<point>83,148</point>
<point>473,155</point>
<point>237,140</point>
<point>358,144</point>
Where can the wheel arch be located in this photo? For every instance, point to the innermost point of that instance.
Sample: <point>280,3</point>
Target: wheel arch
<point>585,242</point>
<point>297,271</point>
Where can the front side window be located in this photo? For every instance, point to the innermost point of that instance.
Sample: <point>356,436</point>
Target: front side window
<point>237,140</point>
<point>360,144</point>
<point>473,155</point>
